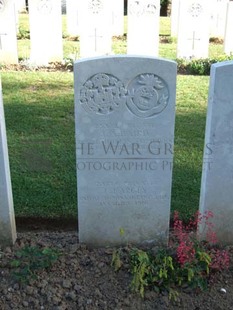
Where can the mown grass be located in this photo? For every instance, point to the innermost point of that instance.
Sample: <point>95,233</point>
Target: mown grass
<point>40,127</point>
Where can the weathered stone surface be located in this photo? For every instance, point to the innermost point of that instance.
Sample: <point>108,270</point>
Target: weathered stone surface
<point>7,220</point>
<point>125,109</point>
<point>217,176</point>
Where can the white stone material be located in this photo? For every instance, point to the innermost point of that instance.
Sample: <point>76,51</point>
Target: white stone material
<point>72,17</point>
<point>45,31</point>
<point>95,28</point>
<point>193,29</point>
<point>117,17</point>
<point>20,5</point>
<point>8,36</point>
<point>217,175</point>
<point>7,219</point>
<point>143,27</point>
<point>124,116</point>
<point>174,17</point>
<point>218,18</point>
<point>228,42</point>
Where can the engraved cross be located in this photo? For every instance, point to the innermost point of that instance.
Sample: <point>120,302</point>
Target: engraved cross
<point>193,40</point>
<point>2,34</point>
<point>95,36</point>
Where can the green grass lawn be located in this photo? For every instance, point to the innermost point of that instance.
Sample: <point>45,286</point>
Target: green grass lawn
<point>39,113</point>
<point>39,109</point>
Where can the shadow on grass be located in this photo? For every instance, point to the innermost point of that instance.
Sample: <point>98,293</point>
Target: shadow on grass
<point>42,155</point>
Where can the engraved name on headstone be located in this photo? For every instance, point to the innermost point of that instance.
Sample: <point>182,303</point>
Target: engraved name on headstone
<point>125,109</point>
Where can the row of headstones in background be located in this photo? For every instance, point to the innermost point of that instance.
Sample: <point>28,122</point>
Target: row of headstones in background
<point>96,23</point>
<point>7,219</point>
<point>74,11</point>
<point>194,22</point>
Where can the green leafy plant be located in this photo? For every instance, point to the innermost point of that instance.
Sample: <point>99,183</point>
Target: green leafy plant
<point>23,34</point>
<point>199,66</point>
<point>31,259</point>
<point>186,261</point>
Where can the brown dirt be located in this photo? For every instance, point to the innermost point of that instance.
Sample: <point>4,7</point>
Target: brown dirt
<point>83,279</point>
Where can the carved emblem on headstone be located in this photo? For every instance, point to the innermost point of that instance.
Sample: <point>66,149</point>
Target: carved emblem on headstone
<point>147,95</point>
<point>150,8</point>
<point>2,5</point>
<point>195,9</point>
<point>95,6</point>
<point>136,8</point>
<point>102,94</point>
<point>44,6</point>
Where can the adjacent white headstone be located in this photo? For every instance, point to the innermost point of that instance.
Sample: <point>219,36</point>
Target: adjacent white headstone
<point>45,31</point>
<point>193,29</point>
<point>21,5</point>
<point>228,42</point>
<point>8,37</point>
<point>72,16</point>
<point>143,27</point>
<point>95,28</point>
<point>217,175</point>
<point>7,219</point>
<point>174,17</point>
<point>125,110</point>
<point>117,17</point>
<point>218,18</point>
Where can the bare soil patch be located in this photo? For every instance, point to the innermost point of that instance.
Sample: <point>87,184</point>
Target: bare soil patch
<point>83,278</point>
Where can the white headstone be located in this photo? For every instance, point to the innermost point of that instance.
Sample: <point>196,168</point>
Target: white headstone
<point>118,17</point>
<point>218,18</point>
<point>174,17</point>
<point>193,29</point>
<point>21,5</point>
<point>45,31</point>
<point>72,17</point>
<point>217,175</point>
<point>8,37</point>
<point>228,42</point>
<point>124,115</point>
<point>95,28</point>
<point>143,27</point>
<point>7,219</point>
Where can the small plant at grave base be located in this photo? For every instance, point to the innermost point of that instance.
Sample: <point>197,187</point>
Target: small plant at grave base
<point>186,261</point>
<point>30,259</point>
